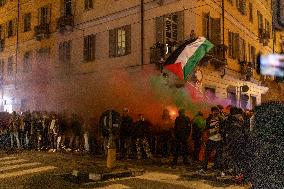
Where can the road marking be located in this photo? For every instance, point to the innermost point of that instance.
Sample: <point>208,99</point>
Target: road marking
<point>27,171</point>
<point>7,158</point>
<point>114,186</point>
<point>13,161</point>
<point>10,167</point>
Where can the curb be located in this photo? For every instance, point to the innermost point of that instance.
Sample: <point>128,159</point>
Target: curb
<point>85,176</point>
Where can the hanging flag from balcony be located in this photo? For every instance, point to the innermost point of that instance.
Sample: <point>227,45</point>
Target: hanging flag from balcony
<point>186,57</point>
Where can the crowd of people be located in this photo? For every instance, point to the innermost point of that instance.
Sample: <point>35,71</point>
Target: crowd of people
<point>224,133</point>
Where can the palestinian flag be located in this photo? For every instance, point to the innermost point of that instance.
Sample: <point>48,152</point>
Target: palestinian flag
<point>186,57</point>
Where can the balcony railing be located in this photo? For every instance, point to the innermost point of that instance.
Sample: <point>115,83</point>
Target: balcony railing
<point>65,23</point>
<point>264,36</point>
<point>216,55</point>
<point>2,45</point>
<point>42,31</point>
<point>246,70</point>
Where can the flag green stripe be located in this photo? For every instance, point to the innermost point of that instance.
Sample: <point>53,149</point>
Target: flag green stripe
<point>196,57</point>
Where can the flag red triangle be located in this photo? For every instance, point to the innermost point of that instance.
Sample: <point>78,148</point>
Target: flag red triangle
<point>176,69</point>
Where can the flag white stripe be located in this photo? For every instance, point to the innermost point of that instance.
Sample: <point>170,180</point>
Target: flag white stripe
<point>13,161</point>
<point>27,171</point>
<point>7,168</point>
<point>189,50</point>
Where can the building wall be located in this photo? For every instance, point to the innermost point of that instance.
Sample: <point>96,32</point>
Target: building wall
<point>54,87</point>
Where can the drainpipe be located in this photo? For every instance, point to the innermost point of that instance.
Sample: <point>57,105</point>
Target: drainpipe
<point>223,26</point>
<point>17,43</point>
<point>142,32</point>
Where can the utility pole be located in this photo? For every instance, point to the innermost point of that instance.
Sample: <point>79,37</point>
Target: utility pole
<point>142,32</point>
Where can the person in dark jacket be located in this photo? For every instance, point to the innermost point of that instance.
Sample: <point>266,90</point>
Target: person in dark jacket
<point>181,133</point>
<point>142,131</point>
<point>265,149</point>
<point>27,128</point>
<point>126,131</point>
<point>235,138</point>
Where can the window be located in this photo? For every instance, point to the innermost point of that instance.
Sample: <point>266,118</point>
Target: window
<point>88,4</point>
<point>212,28</point>
<point>11,28</point>
<point>120,41</point>
<point>250,12</point>
<point>2,2</point>
<point>244,101</point>
<point>253,102</point>
<point>267,28</point>
<point>65,52</point>
<point>89,48</point>
<point>241,6</point>
<point>234,42</point>
<point>27,22</point>
<point>169,29</point>
<point>253,56</point>
<point>210,92</point>
<point>242,50</point>
<point>232,97</point>
<point>43,55</point>
<point>1,32</point>
<point>44,15</point>
<point>67,7</point>
<point>24,106</point>
<point>27,62</point>
<point>10,66</point>
<point>260,20</point>
<point>1,69</point>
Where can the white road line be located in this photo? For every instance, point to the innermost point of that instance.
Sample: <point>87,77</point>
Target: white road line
<point>7,158</point>
<point>27,171</point>
<point>13,161</point>
<point>10,167</point>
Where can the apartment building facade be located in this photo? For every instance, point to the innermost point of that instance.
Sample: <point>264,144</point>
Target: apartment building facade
<point>60,55</point>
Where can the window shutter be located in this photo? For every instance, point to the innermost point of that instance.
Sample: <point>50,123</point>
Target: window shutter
<point>93,45</point>
<point>68,51</point>
<point>91,4</point>
<point>112,42</point>
<point>205,22</point>
<point>215,31</point>
<point>230,44</point>
<point>15,23</point>
<point>180,36</point>
<point>39,16</point>
<point>160,29</point>
<point>48,14</point>
<point>237,46</point>
<point>60,53</point>
<point>62,8</point>
<point>128,39</point>
<point>86,44</point>
<point>86,4</point>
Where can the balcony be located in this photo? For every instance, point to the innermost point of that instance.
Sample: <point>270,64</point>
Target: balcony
<point>65,23</point>
<point>41,31</point>
<point>246,70</point>
<point>264,36</point>
<point>216,56</point>
<point>2,45</point>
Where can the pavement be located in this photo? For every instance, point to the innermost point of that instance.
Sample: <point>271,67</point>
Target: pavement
<point>33,170</point>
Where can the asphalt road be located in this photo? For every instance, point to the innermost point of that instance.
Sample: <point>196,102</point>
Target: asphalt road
<point>40,170</point>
